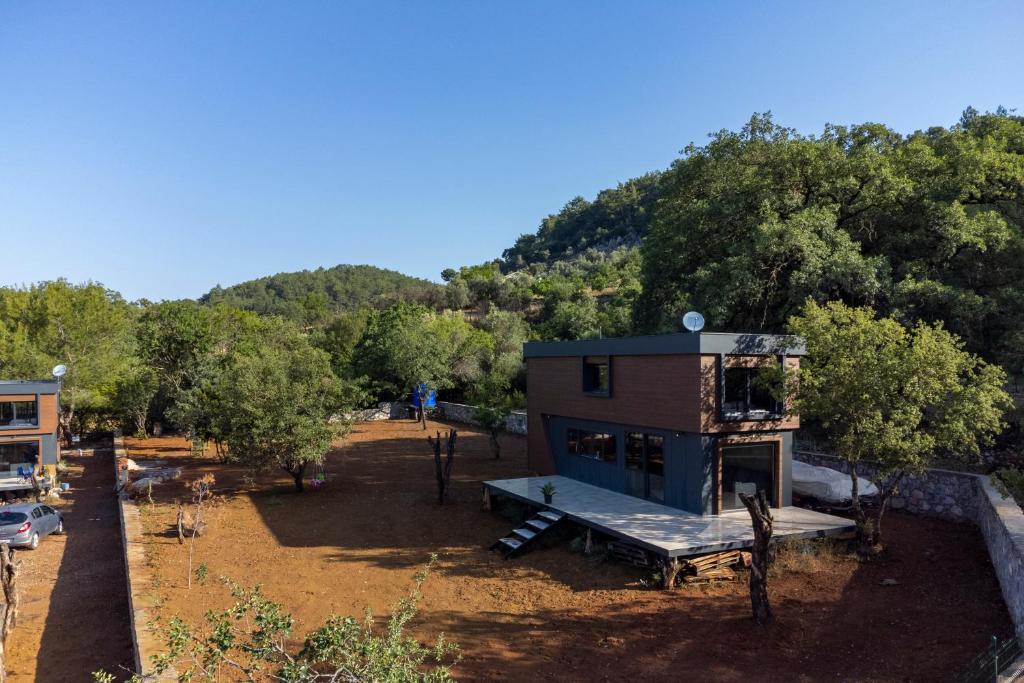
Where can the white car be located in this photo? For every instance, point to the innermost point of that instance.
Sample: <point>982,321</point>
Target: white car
<point>827,486</point>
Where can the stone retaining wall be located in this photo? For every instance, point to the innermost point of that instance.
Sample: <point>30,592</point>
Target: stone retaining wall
<point>460,412</point>
<point>962,497</point>
<point>145,643</point>
<point>383,411</point>
<point>1001,521</point>
<point>936,493</point>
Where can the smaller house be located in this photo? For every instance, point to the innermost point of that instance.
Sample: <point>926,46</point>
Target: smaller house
<point>29,422</point>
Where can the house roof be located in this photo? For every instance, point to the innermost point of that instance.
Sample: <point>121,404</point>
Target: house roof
<point>676,343</point>
<point>11,387</point>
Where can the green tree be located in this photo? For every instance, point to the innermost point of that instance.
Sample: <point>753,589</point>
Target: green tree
<point>276,400</point>
<point>133,392</point>
<point>891,396</point>
<point>85,327</point>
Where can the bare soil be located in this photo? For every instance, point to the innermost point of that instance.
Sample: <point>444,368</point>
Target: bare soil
<point>552,614</point>
<point>73,618</point>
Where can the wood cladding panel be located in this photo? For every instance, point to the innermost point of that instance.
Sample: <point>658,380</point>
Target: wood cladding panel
<point>47,410</point>
<point>710,421</point>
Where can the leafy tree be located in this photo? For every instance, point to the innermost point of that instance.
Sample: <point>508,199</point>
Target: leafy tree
<point>891,396</point>
<point>339,339</point>
<point>85,327</point>
<point>407,345</point>
<point>491,413</point>
<point>254,639</point>
<point>133,392</point>
<point>275,400</point>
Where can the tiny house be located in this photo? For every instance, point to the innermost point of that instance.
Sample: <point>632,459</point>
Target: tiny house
<point>29,413</point>
<point>676,419</point>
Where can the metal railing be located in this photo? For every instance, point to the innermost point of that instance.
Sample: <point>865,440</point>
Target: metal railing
<point>994,661</point>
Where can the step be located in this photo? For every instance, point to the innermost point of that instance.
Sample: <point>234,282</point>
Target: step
<point>510,542</point>
<point>551,516</point>
<point>524,533</point>
<point>538,524</point>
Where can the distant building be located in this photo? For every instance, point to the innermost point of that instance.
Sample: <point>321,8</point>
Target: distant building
<point>29,413</point>
<point>676,419</point>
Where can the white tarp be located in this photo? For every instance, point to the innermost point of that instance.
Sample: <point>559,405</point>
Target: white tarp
<point>826,484</point>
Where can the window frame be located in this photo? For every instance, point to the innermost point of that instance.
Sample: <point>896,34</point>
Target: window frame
<point>587,362</point>
<point>575,435</point>
<point>775,412</point>
<point>15,424</point>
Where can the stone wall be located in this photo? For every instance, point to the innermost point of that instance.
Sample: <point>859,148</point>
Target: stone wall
<point>962,497</point>
<point>141,600</point>
<point>383,411</point>
<point>1001,521</point>
<point>459,412</point>
<point>936,493</point>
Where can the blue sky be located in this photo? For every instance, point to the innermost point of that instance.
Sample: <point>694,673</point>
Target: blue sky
<point>165,147</point>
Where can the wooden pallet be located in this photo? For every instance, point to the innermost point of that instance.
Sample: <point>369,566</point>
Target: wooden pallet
<point>715,566</point>
<point>635,556</point>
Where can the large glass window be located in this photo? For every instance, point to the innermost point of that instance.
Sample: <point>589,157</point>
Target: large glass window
<point>17,453</point>
<point>18,413</point>
<point>589,444</point>
<point>744,395</point>
<point>747,469</point>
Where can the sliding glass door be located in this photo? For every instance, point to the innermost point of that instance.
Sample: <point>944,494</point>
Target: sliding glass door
<point>747,468</point>
<point>645,466</point>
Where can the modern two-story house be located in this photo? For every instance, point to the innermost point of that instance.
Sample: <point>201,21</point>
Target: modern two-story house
<point>676,419</point>
<point>28,427</point>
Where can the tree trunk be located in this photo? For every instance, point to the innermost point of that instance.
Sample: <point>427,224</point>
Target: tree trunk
<point>761,519</point>
<point>670,568</point>
<point>495,446</point>
<point>859,515</point>
<point>423,406</point>
<point>885,493</point>
<point>9,608</point>
<point>298,472</point>
<point>443,471</point>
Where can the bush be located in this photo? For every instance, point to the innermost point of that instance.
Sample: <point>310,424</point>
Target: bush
<point>1010,481</point>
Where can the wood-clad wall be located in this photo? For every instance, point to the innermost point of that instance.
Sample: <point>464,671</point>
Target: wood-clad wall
<point>47,410</point>
<point>677,392</point>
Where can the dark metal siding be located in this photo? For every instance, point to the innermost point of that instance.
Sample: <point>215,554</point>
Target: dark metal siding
<point>686,472</point>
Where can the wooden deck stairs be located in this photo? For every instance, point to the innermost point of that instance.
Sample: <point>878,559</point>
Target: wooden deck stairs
<point>523,536</point>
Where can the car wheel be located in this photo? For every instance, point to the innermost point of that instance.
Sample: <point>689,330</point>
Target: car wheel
<point>34,542</point>
<point>60,527</point>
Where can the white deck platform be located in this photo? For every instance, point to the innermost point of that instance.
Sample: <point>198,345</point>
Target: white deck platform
<point>663,530</point>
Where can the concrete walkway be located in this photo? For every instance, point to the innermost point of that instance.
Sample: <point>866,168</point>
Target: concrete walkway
<point>666,531</point>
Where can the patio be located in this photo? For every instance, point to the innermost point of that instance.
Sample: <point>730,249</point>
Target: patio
<point>665,531</point>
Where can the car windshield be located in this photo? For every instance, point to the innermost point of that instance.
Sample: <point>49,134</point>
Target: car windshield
<point>12,517</point>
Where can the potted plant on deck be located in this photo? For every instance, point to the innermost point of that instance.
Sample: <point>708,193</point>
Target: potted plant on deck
<point>548,490</point>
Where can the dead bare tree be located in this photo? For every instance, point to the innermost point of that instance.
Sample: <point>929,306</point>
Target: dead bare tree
<point>201,491</point>
<point>761,518</point>
<point>443,470</point>
<point>9,608</point>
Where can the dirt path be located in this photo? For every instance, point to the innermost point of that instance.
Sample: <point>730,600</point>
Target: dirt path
<point>74,604</point>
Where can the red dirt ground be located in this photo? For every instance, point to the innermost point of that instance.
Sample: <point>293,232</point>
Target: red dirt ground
<point>552,614</point>
<point>73,617</point>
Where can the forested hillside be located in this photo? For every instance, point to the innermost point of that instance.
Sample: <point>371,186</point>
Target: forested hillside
<point>927,226</point>
<point>314,295</point>
<point>746,229</point>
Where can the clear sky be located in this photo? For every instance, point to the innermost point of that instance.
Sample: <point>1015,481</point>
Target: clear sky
<point>165,147</point>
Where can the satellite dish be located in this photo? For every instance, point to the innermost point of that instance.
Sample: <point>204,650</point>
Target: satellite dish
<point>60,371</point>
<point>693,321</point>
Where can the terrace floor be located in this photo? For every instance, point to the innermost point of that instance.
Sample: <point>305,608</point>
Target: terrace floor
<point>663,530</point>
